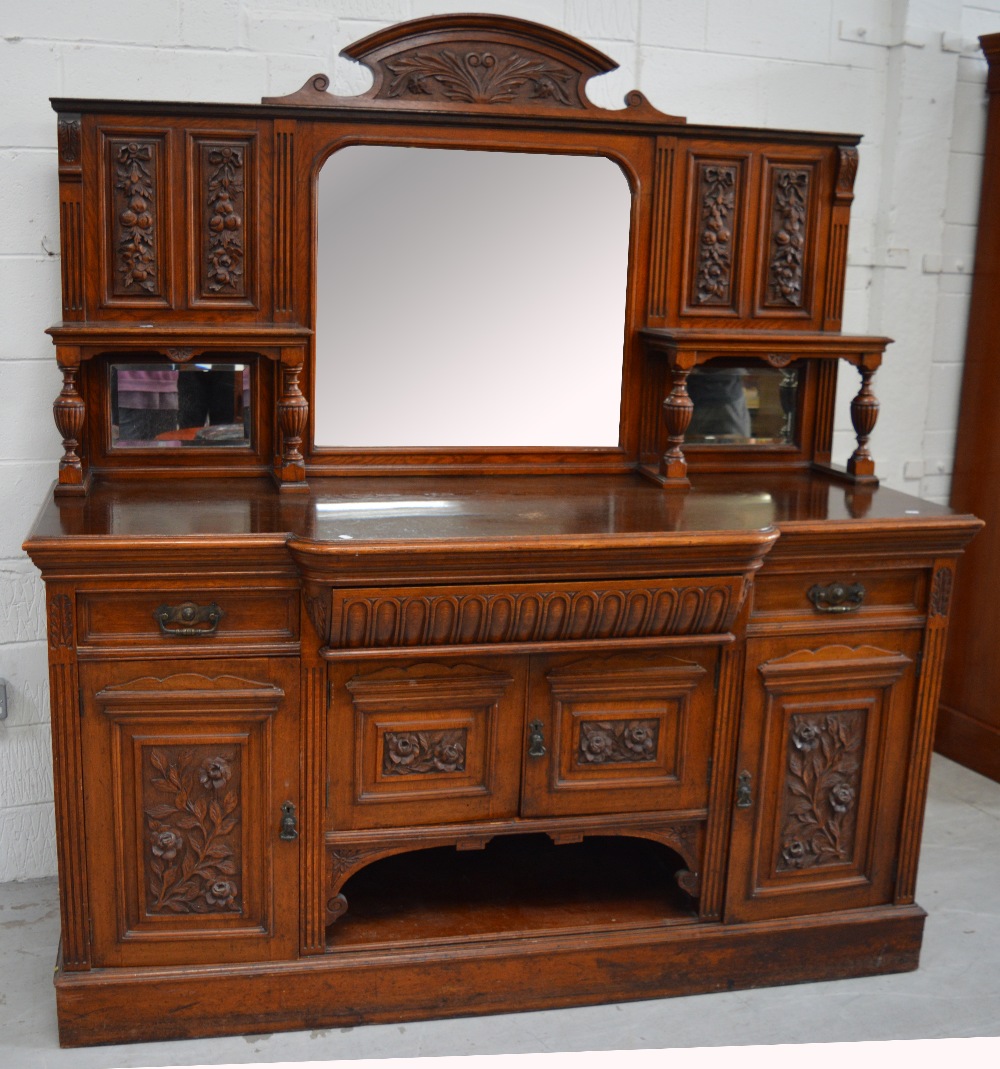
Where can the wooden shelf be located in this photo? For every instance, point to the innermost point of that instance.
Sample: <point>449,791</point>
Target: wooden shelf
<point>518,885</point>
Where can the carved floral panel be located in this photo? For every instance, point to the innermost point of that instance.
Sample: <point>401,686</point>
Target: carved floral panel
<point>822,780</point>
<point>419,752</point>
<point>223,170</point>
<point>615,741</point>
<point>135,224</point>
<point>716,208</point>
<point>787,254</point>
<point>192,815</point>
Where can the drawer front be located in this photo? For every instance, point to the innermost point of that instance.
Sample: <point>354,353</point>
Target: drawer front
<point>554,612</point>
<point>188,617</point>
<point>820,598</point>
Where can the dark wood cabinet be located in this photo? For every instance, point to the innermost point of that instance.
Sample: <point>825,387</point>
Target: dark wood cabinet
<point>347,733</point>
<point>969,723</point>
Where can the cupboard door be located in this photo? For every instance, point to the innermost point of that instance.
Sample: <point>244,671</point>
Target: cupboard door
<point>820,774</point>
<point>425,743</point>
<point>628,733</point>
<point>190,803</point>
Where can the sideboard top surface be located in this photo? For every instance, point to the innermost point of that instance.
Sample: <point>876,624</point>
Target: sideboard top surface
<point>458,508</point>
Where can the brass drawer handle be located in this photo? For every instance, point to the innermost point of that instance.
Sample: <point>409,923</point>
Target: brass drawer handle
<point>188,620</point>
<point>837,597</point>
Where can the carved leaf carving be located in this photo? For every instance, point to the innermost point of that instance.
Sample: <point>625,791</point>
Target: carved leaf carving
<point>941,592</point>
<point>60,622</point>
<point>819,805</point>
<point>479,77</point>
<point>191,805</point>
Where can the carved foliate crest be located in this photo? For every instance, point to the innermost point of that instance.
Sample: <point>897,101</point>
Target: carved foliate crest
<point>477,62</point>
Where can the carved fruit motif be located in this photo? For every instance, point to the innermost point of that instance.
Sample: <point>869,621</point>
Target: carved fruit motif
<point>788,237</point>
<point>192,861</point>
<point>224,220</point>
<point>134,205</point>
<point>819,808</point>
<point>715,254</point>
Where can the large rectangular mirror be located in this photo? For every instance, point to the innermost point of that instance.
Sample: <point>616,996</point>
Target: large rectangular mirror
<point>469,298</point>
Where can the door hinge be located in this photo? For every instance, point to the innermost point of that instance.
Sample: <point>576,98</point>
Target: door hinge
<point>327,792</point>
<point>79,696</point>
<point>718,671</point>
<point>90,925</point>
<point>709,770</point>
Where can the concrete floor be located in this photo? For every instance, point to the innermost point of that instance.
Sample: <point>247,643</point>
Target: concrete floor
<point>955,993</point>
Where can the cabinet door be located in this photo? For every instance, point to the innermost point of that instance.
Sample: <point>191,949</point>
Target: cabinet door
<point>627,733</point>
<point>425,743</point>
<point>188,772</point>
<point>820,773</point>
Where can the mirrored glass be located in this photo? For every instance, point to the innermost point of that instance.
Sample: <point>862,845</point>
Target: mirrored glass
<point>469,298</point>
<point>167,405</point>
<point>742,405</point>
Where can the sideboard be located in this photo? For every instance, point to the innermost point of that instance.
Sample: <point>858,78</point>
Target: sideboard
<point>347,733</point>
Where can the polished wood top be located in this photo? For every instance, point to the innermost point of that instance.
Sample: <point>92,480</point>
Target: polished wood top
<point>367,510</point>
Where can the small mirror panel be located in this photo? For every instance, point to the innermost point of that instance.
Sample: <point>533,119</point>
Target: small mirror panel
<point>743,405</point>
<point>469,298</point>
<point>170,405</point>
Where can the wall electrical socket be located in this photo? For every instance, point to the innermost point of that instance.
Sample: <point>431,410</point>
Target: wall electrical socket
<point>3,699</point>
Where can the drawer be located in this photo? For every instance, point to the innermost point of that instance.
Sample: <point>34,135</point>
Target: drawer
<point>386,618</point>
<point>188,617</point>
<point>824,599</point>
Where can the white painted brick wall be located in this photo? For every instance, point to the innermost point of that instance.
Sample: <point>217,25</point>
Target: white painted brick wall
<point>814,64</point>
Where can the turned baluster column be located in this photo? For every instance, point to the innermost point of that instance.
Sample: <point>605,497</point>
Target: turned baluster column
<point>293,416</point>
<point>69,411</point>
<point>864,415</point>
<point>678,409</point>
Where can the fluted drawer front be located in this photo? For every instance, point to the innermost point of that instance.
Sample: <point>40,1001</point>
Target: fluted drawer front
<point>444,616</point>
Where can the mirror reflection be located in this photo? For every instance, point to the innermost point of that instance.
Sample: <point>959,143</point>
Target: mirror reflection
<point>742,405</point>
<point>170,405</point>
<point>469,298</point>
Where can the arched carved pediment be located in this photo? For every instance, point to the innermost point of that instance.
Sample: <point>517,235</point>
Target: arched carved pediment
<point>474,62</point>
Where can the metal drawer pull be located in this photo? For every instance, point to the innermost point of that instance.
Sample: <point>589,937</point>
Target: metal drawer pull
<point>188,620</point>
<point>837,597</point>
<point>289,823</point>
<point>536,740</point>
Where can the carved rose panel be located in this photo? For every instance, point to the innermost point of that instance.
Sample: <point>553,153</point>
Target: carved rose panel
<point>822,781</point>
<point>223,170</point>
<point>787,254</point>
<point>192,813</point>
<point>409,753</point>
<point>716,208</point>
<point>480,75</point>
<point>134,212</point>
<point>615,741</point>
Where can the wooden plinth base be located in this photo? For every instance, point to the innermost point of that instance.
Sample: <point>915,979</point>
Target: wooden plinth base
<point>968,741</point>
<point>477,977</point>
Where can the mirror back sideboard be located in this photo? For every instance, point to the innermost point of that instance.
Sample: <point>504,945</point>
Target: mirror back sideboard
<point>467,712</point>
